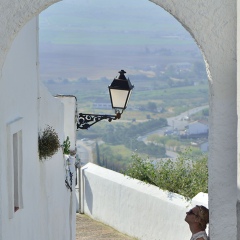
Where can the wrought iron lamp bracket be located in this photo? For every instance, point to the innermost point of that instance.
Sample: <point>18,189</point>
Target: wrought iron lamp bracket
<point>85,120</point>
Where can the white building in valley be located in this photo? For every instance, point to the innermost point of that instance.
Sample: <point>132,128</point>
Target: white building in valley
<point>197,128</point>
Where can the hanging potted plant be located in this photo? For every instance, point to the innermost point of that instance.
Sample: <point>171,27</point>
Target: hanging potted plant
<point>48,143</point>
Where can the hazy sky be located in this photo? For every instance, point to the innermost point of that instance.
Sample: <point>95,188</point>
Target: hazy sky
<point>87,16</point>
<point>92,38</point>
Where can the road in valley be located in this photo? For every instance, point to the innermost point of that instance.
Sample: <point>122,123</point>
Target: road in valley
<point>178,122</point>
<point>84,146</point>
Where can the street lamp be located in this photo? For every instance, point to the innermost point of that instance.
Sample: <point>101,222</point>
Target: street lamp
<point>120,91</point>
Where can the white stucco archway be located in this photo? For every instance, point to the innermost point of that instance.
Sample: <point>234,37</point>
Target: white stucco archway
<point>14,15</point>
<point>213,25</point>
<point>211,32</point>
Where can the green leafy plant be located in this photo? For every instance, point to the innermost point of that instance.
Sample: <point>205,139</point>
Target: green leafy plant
<point>141,169</point>
<point>48,143</point>
<point>187,175</point>
<point>66,146</point>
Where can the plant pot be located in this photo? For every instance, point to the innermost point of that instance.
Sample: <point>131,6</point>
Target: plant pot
<point>71,160</point>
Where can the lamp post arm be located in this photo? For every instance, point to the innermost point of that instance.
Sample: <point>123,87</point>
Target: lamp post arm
<point>85,120</point>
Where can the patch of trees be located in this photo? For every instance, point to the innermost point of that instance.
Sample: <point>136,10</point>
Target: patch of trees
<point>185,176</point>
<point>116,135</point>
<point>106,156</point>
<point>151,107</point>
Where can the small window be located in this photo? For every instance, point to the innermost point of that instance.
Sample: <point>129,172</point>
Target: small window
<point>15,161</point>
<point>17,169</point>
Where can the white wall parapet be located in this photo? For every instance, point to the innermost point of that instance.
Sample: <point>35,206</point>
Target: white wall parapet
<point>133,207</point>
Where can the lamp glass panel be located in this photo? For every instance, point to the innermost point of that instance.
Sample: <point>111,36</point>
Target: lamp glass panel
<point>119,98</point>
<point>128,98</point>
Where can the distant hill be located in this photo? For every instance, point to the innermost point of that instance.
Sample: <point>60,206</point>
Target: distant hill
<point>83,38</point>
<point>111,22</point>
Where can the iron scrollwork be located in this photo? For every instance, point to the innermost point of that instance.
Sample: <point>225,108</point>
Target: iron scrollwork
<point>84,120</point>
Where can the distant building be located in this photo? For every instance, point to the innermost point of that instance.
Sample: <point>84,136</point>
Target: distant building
<point>197,128</point>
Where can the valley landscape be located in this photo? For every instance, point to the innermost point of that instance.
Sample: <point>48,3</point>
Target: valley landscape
<point>83,45</point>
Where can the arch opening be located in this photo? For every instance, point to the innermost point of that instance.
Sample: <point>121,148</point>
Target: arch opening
<point>161,59</point>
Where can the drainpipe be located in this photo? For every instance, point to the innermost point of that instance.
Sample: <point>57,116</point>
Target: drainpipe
<point>81,208</point>
<point>80,189</point>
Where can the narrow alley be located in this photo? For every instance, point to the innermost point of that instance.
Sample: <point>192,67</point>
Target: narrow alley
<point>88,229</point>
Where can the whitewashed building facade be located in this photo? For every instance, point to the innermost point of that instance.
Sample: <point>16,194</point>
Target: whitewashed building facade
<point>34,201</point>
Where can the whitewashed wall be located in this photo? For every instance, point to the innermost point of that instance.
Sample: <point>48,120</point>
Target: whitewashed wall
<point>46,212</point>
<point>216,36</point>
<point>14,15</point>
<point>59,202</point>
<point>70,105</point>
<point>238,129</point>
<point>18,97</point>
<point>132,207</point>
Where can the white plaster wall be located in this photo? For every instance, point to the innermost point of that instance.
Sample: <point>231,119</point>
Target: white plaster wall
<point>59,207</point>
<point>213,26</point>
<point>238,131</point>
<point>47,204</point>
<point>132,207</point>
<point>14,15</point>
<point>70,105</point>
<point>18,94</point>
